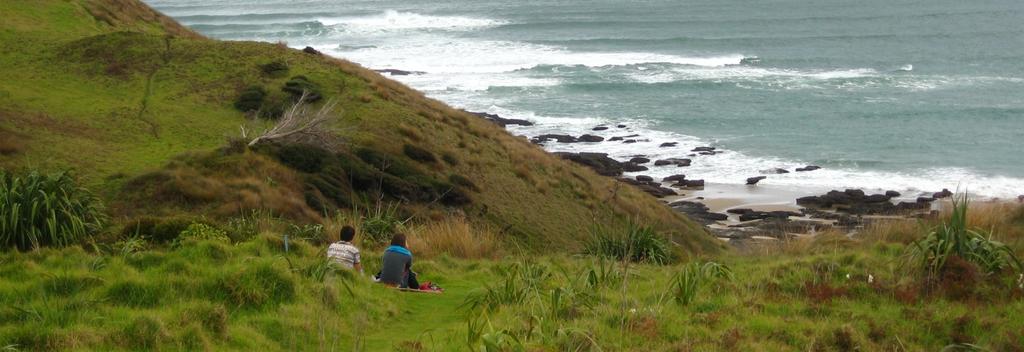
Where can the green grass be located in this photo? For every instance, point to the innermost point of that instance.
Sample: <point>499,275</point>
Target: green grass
<point>252,295</point>
<point>96,86</point>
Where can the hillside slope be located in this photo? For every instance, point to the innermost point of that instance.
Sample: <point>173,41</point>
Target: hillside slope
<point>115,90</point>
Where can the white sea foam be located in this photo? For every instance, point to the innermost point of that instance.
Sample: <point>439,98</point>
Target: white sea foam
<point>460,69</point>
<point>392,21</point>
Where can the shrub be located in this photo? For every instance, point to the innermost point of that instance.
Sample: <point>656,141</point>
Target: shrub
<point>39,210</point>
<point>202,232</point>
<point>299,85</point>
<point>274,69</point>
<point>449,158</point>
<point>302,157</point>
<point>638,244</point>
<point>688,281</point>
<point>462,181</point>
<point>381,223</point>
<point>418,154</point>
<point>251,99</point>
<point>953,238</point>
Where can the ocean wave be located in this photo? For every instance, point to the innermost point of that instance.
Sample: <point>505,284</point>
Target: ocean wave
<point>397,21</point>
<point>733,167</point>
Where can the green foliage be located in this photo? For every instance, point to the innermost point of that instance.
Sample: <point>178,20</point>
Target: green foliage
<point>129,246</point>
<point>302,157</point>
<point>145,332</point>
<point>693,276</point>
<point>954,238</point>
<point>251,99</point>
<point>261,284</point>
<point>462,181</point>
<point>381,223</point>
<point>202,232</point>
<point>418,154</point>
<point>299,85</point>
<point>516,283</point>
<point>638,244</point>
<point>39,210</point>
<point>274,69</point>
<point>309,232</point>
<point>134,293</point>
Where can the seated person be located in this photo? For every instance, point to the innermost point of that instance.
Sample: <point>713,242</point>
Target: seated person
<point>344,253</point>
<point>397,265</point>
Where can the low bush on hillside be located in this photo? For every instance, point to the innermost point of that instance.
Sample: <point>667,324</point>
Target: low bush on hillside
<point>418,154</point>
<point>301,88</point>
<point>637,243</point>
<point>381,223</point>
<point>202,232</point>
<point>38,210</point>
<point>274,69</point>
<point>251,99</point>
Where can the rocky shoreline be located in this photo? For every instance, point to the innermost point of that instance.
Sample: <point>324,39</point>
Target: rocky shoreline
<point>846,210</point>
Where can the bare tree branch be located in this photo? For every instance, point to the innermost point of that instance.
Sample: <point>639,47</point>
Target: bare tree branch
<point>303,125</point>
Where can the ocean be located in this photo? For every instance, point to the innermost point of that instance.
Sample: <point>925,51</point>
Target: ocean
<point>914,95</point>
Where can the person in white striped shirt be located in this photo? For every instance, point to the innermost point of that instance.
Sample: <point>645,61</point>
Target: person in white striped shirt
<point>344,253</point>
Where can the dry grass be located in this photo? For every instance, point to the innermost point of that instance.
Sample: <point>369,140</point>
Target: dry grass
<point>9,144</point>
<point>456,237</point>
<point>219,187</point>
<point>1004,219</point>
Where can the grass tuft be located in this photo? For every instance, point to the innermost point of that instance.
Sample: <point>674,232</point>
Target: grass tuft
<point>637,244</point>
<point>38,210</point>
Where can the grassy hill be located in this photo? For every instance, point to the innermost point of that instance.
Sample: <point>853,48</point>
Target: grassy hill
<point>139,106</point>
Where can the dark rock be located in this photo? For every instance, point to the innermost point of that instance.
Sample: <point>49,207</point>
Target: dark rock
<point>639,160</point>
<point>311,51</point>
<point>600,162</point>
<point>650,187</point>
<point>644,178</point>
<point>775,171</point>
<point>561,138</point>
<point>911,206</point>
<point>848,221</point>
<point>755,180</point>
<point>703,149</point>
<point>925,199</point>
<point>855,193</point>
<point>600,128</point>
<point>633,167</point>
<point>708,153</point>
<point>500,120</point>
<point>668,144</point>
<point>692,183</point>
<point>876,198</point>
<point>739,211</point>
<point>808,168</point>
<point>629,141</point>
<point>621,126</point>
<point>945,193</point>
<point>395,72</point>
<point>615,139</point>
<point>676,178</point>
<point>591,138</point>
<point>813,201</point>
<point>698,211</point>
<point>680,162</point>
<point>892,194</point>
<point>754,215</point>
<point>716,216</point>
<point>783,214</point>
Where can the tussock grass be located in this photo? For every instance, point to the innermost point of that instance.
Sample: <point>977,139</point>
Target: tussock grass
<point>455,237</point>
<point>46,210</point>
<point>954,238</point>
<point>637,243</point>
